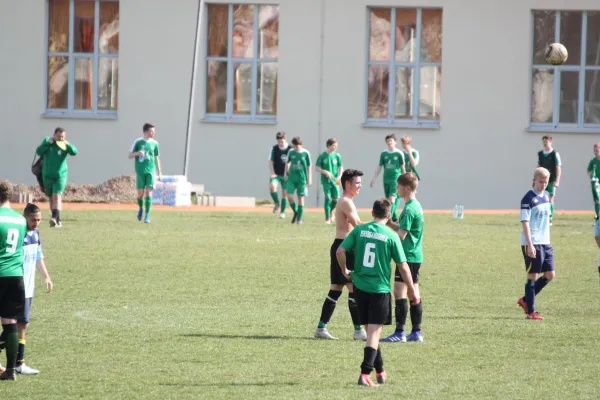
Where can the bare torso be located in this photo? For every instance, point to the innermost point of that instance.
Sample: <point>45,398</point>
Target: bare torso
<point>346,217</point>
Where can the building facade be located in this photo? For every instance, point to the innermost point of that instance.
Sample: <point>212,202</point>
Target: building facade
<point>466,79</point>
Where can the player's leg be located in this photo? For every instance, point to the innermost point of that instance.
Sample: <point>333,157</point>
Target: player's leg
<point>337,282</point>
<point>547,268</point>
<point>58,189</point>
<point>48,184</point>
<point>378,313</point>
<point>359,332</point>
<point>148,186</point>
<point>400,310</point>
<point>284,198</point>
<point>335,196</point>
<point>291,188</point>
<point>552,192</point>
<point>12,298</point>
<point>596,197</point>
<point>22,325</point>
<point>273,192</point>
<point>301,194</point>
<point>533,267</point>
<point>597,238</point>
<point>327,202</point>
<point>139,184</point>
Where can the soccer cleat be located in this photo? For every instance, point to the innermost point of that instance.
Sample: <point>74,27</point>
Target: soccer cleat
<point>52,222</point>
<point>521,302</point>
<point>365,380</point>
<point>147,219</point>
<point>25,370</point>
<point>58,224</point>
<point>275,208</point>
<point>294,218</point>
<point>415,337</point>
<point>381,377</point>
<point>1,369</point>
<point>299,222</point>
<point>282,215</point>
<point>396,337</point>
<point>140,214</point>
<point>8,374</point>
<point>323,333</point>
<point>360,334</point>
<point>327,222</point>
<point>535,315</point>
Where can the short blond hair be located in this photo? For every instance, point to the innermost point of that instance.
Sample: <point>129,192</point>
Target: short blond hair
<point>406,139</point>
<point>541,172</point>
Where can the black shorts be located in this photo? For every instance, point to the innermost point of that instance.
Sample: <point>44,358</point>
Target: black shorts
<point>543,261</point>
<point>373,308</point>
<point>414,272</point>
<point>12,297</point>
<point>337,278</point>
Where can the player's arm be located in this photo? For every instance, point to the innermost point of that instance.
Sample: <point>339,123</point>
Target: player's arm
<point>41,267</point>
<point>403,166</point>
<point>399,258</point>
<point>287,170</point>
<point>396,228</point>
<point>377,172</point>
<point>44,146</point>
<point>309,171</point>
<point>340,254</point>
<point>413,161</point>
<point>158,168</point>
<point>71,150</point>
<point>134,152</point>
<point>271,164</point>
<point>525,217</point>
<point>558,170</point>
<point>351,213</point>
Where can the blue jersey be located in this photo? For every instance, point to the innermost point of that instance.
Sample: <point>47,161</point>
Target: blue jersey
<point>535,209</point>
<point>32,249</point>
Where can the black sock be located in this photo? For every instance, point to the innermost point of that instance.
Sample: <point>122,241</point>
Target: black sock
<point>530,295</point>
<point>57,215</point>
<point>540,284</point>
<point>353,310</point>
<point>378,361</point>
<point>368,361</point>
<point>21,352</point>
<point>12,344</point>
<point>401,313</point>
<point>2,340</point>
<point>54,213</point>
<point>329,306</point>
<point>416,316</point>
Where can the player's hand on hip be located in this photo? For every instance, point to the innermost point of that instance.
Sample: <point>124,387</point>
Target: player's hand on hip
<point>273,176</point>
<point>531,251</point>
<point>346,273</point>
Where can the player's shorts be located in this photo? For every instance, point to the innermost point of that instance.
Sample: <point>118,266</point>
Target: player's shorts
<point>12,297</point>
<point>597,228</point>
<point>331,191</point>
<point>373,308</point>
<point>551,189</point>
<point>278,180</point>
<point>54,185</point>
<point>297,187</point>
<point>144,181</point>
<point>414,272</point>
<point>543,261</point>
<point>390,189</point>
<point>24,318</point>
<point>335,272</point>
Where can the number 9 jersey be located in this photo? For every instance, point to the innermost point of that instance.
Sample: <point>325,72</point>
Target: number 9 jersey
<point>13,228</point>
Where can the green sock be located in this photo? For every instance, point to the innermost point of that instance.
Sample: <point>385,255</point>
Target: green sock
<point>327,207</point>
<point>284,204</point>
<point>11,335</point>
<point>551,210</point>
<point>294,208</point>
<point>141,202</point>
<point>322,325</point>
<point>148,205</point>
<point>357,327</point>
<point>275,197</point>
<point>300,212</point>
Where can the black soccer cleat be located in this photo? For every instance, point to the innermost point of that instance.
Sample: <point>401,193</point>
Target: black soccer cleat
<point>294,218</point>
<point>9,374</point>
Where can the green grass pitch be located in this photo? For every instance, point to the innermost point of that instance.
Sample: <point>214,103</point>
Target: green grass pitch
<point>222,306</point>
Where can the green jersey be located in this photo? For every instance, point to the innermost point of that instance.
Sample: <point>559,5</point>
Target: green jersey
<point>13,228</point>
<point>594,167</point>
<point>409,167</point>
<point>411,220</point>
<point>392,162</point>
<point>55,158</point>
<point>145,164</point>
<point>374,245</point>
<point>329,162</point>
<point>299,164</point>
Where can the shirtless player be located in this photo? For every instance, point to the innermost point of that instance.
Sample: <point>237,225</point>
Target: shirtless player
<point>346,218</point>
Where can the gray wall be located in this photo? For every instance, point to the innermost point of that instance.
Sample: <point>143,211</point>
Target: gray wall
<point>482,156</point>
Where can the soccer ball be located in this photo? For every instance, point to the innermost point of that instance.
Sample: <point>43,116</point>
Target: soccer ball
<point>556,54</point>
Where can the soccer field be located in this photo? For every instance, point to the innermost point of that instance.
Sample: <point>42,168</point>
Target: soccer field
<point>221,306</point>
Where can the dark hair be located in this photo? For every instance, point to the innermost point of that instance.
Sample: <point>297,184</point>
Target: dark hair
<point>382,208</point>
<point>547,137</point>
<point>390,136</point>
<point>147,127</point>
<point>409,179</point>
<point>59,130</point>
<point>348,175</point>
<point>5,191</point>
<point>31,208</point>
<point>280,135</point>
<point>330,141</point>
<point>297,141</point>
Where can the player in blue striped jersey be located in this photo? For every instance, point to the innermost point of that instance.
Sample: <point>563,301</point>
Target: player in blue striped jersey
<point>535,241</point>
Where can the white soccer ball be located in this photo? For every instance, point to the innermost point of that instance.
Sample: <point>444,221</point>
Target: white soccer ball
<point>556,54</point>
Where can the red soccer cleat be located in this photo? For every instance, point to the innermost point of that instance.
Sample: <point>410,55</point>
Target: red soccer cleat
<point>521,302</point>
<point>535,315</point>
<point>381,377</point>
<point>365,380</point>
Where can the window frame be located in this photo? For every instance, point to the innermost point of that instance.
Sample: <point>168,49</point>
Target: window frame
<point>581,68</point>
<point>415,121</point>
<point>229,116</point>
<point>72,57</point>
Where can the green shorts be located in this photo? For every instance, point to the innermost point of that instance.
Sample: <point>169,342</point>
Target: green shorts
<point>144,181</point>
<point>54,185</point>
<point>296,186</point>
<point>551,189</point>
<point>390,189</point>
<point>331,190</point>
<point>278,180</point>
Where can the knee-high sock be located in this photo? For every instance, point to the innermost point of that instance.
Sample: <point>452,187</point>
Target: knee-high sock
<point>329,307</point>
<point>353,311</point>
<point>11,334</point>
<point>327,207</point>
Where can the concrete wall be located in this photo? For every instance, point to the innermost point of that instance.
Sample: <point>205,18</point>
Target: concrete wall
<point>482,156</point>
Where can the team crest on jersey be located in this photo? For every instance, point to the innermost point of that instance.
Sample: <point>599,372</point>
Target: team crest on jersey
<point>59,152</point>
<point>335,161</point>
<point>284,158</point>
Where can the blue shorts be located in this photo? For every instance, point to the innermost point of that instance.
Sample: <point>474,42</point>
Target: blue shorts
<point>597,228</point>
<point>26,311</point>
<point>543,261</point>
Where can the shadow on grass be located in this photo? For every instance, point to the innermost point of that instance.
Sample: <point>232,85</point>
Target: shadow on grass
<point>251,337</point>
<point>231,384</point>
<point>465,317</point>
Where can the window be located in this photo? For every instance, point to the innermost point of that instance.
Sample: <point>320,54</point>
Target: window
<point>83,58</point>
<point>404,71</point>
<point>241,62</point>
<point>566,97</point>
